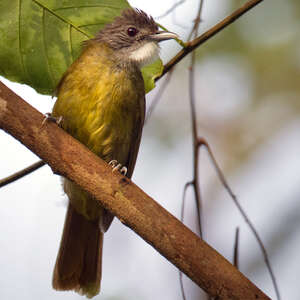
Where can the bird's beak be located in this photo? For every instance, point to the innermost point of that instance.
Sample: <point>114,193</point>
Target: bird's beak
<point>163,36</point>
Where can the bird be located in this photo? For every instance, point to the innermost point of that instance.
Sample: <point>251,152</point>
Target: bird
<point>101,102</point>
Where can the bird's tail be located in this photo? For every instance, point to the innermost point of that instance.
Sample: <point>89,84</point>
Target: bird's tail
<point>78,264</point>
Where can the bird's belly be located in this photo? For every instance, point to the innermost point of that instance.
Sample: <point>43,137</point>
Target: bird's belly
<point>104,112</point>
<point>112,139</point>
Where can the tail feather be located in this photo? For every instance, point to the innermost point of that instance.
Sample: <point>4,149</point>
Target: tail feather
<point>78,264</point>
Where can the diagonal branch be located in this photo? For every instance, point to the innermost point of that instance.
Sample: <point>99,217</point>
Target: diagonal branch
<point>22,173</point>
<point>119,195</point>
<point>174,6</point>
<point>192,45</point>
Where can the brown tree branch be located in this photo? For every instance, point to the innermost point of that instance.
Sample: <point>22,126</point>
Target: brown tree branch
<point>195,43</point>
<point>22,173</point>
<point>119,195</point>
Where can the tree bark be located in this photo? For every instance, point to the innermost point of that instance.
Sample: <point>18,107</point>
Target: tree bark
<point>67,157</point>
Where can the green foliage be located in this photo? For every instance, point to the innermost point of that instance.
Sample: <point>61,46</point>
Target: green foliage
<point>150,72</point>
<point>41,38</point>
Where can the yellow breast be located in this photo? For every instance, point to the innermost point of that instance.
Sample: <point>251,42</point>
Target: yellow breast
<point>102,105</point>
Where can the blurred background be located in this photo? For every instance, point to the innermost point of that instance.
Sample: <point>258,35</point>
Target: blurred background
<point>248,106</point>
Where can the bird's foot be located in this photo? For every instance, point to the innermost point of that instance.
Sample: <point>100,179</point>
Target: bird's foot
<point>49,118</point>
<point>116,166</point>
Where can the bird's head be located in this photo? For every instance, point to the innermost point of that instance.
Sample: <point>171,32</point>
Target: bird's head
<point>134,36</point>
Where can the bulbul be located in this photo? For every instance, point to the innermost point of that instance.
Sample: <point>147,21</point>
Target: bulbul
<point>101,99</point>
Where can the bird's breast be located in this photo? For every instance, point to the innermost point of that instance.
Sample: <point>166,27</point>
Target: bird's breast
<point>102,105</point>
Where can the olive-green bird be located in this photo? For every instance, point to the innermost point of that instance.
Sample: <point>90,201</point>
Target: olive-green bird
<point>101,99</point>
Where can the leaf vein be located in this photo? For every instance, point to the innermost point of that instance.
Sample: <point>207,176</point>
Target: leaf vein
<point>70,42</point>
<point>67,21</point>
<point>20,44</point>
<point>92,24</point>
<point>45,48</point>
<point>85,6</point>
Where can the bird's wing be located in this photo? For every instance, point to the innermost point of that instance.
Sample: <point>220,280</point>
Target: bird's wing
<point>136,139</point>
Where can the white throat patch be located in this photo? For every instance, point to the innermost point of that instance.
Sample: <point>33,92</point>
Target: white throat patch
<point>146,54</point>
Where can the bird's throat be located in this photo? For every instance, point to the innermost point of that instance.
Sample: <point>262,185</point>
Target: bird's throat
<point>146,54</point>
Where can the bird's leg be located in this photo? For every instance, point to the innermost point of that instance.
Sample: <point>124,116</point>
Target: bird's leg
<point>49,117</point>
<point>116,166</point>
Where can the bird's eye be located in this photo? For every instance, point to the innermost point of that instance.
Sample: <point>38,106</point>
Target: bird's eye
<point>132,31</point>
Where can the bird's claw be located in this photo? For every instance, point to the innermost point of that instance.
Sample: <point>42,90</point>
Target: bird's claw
<point>123,171</point>
<point>113,163</point>
<point>116,166</point>
<point>48,117</point>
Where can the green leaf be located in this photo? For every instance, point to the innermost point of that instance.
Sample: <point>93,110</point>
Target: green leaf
<point>39,39</point>
<point>151,72</point>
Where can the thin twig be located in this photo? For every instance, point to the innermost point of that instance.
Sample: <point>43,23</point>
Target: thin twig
<point>172,8</point>
<point>186,186</point>
<point>175,22</point>
<point>21,173</point>
<point>158,95</point>
<point>222,178</point>
<point>190,46</point>
<point>181,286</point>
<point>196,181</point>
<point>236,248</point>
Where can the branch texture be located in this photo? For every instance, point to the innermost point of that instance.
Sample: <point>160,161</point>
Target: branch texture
<point>131,205</point>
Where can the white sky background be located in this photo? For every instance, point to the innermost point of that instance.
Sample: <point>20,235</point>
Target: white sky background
<point>33,208</point>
